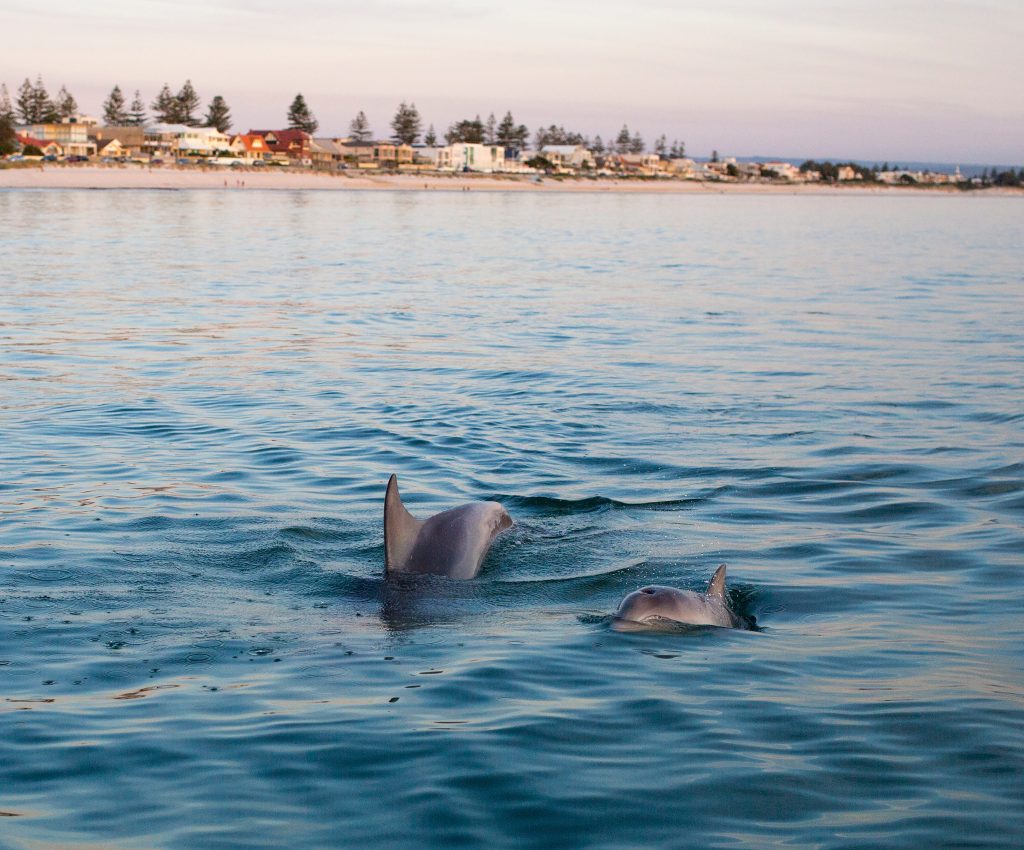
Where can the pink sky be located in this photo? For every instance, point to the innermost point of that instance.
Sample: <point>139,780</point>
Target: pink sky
<point>873,80</point>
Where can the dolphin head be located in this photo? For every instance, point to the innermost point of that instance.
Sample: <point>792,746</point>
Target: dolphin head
<point>651,606</point>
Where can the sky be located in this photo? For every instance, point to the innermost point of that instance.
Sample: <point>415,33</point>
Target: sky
<point>877,80</point>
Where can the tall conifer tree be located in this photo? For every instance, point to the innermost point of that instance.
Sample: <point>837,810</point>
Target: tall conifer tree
<point>46,110</point>
<point>165,107</point>
<point>188,103</point>
<point>67,107</point>
<point>137,111</point>
<point>114,113</point>
<point>359,128</point>
<point>26,103</point>
<point>6,109</point>
<point>406,124</point>
<point>300,117</point>
<point>218,114</point>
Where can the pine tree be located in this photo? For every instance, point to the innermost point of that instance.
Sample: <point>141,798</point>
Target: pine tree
<point>636,144</point>
<point>165,107</point>
<point>8,140</point>
<point>26,108</point>
<point>406,124</point>
<point>489,131</point>
<point>66,105</point>
<point>34,104</point>
<point>45,109</point>
<point>114,114</point>
<point>218,114</point>
<point>430,140</point>
<point>623,140</point>
<point>506,132</point>
<point>300,117</point>
<point>359,128</point>
<point>188,103</point>
<point>6,110</point>
<point>510,134</point>
<point>661,146</point>
<point>598,145</point>
<point>137,111</point>
<point>466,131</point>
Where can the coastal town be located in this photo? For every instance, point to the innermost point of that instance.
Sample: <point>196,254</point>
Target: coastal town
<point>45,131</point>
<point>76,141</point>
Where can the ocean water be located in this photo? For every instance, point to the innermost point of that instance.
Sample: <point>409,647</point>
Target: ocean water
<point>202,395</point>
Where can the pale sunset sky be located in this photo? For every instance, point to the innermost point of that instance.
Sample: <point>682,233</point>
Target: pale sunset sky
<point>873,80</point>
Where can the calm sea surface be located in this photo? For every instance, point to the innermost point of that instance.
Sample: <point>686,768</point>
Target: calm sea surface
<point>202,396</point>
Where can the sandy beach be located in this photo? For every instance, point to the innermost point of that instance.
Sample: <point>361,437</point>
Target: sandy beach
<point>172,177</point>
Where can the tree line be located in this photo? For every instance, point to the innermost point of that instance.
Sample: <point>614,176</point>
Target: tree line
<point>33,105</point>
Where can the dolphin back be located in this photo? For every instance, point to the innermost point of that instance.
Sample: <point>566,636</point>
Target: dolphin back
<point>453,543</point>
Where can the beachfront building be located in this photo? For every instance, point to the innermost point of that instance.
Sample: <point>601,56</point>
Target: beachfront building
<point>569,157</point>
<point>72,138</point>
<point>249,148</point>
<point>376,154</point>
<point>327,154</point>
<point>644,164</point>
<point>439,158</point>
<point>131,139</point>
<point>357,153</point>
<point>683,167</point>
<point>181,140</point>
<point>905,176</point>
<point>471,156</point>
<point>292,147</point>
<point>47,147</point>
<point>111,149</point>
<point>777,170</point>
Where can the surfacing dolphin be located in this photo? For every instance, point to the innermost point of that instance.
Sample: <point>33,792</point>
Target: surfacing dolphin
<point>649,607</point>
<point>453,543</point>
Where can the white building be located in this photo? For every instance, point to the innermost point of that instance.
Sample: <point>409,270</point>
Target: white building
<point>469,156</point>
<point>180,140</point>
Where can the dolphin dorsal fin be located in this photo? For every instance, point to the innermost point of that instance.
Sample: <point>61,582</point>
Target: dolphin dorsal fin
<point>716,587</point>
<point>400,528</point>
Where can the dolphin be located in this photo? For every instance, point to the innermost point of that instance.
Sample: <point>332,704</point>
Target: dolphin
<point>649,607</point>
<point>453,543</point>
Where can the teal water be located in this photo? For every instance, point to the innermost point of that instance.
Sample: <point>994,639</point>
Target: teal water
<point>202,395</point>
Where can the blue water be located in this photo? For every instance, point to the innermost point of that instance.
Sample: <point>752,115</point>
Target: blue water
<point>202,395</point>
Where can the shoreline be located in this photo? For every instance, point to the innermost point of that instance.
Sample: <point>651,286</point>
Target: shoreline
<point>275,179</point>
